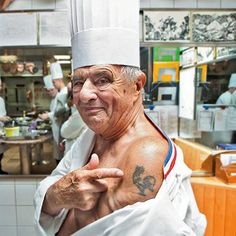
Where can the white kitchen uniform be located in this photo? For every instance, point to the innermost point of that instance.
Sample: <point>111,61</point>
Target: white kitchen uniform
<point>2,107</point>
<point>172,212</point>
<point>72,128</point>
<point>57,120</point>
<point>2,113</point>
<point>227,98</point>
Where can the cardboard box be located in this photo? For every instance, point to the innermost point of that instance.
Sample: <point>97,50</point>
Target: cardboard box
<point>226,170</point>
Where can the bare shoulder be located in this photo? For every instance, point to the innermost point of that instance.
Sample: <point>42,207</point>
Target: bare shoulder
<point>143,167</point>
<point>149,149</point>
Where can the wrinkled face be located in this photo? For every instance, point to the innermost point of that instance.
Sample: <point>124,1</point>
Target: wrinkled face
<point>102,96</point>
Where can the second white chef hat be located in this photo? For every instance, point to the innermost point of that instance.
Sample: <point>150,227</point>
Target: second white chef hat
<point>104,32</point>
<point>56,71</point>
<point>232,81</point>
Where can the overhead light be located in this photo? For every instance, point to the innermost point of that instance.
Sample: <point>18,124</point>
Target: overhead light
<point>64,62</point>
<point>8,58</point>
<point>62,57</point>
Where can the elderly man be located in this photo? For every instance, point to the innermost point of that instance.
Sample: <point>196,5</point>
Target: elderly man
<point>123,176</point>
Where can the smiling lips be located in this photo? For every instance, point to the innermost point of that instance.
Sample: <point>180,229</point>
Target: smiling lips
<point>91,110</point>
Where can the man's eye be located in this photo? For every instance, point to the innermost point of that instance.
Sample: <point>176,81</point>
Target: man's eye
<point>78,83</point>
<point>102,81</point>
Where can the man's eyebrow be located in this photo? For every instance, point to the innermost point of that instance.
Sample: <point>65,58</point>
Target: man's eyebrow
<point>96,73</point>
<point>76,78</point>
<point>101,73</point>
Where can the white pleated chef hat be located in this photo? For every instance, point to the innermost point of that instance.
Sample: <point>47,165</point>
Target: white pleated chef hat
<point>232,81</point>
<point>56,71</point>
<point>104,32</point>
<point>48,82</point>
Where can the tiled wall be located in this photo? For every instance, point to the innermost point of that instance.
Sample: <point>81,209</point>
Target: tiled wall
<point>16,206</point>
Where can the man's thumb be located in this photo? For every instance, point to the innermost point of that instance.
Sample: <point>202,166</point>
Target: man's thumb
<point>93,162</point>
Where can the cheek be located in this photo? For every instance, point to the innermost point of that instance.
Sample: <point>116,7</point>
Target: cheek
<point>75,97</point>
<point>74,100</point>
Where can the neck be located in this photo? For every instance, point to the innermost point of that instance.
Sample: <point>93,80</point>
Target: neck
<point>61,87</point>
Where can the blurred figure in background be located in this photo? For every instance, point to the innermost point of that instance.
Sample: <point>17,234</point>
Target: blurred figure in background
<point>52,92</point>
<point>57,114</point>
<point>229,97</point>
<point>74,126</point>
<point>3,118</point>
<point>61,109</point>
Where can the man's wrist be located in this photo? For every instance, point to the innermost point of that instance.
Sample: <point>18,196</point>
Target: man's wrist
<point>50,204</point>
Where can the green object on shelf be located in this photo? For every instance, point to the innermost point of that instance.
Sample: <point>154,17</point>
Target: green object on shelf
<point>166,54</point>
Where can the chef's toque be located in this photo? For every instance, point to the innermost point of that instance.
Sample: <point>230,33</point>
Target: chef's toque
<point>48,82</point>
<point>104,32</point>
<point>232,81</point>
<point>56,71</point>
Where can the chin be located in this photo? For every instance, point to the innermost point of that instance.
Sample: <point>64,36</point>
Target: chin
<point>97,125</point>
<point>96,130</point>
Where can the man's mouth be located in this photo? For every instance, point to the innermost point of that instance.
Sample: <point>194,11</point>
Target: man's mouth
<point>91,110</point>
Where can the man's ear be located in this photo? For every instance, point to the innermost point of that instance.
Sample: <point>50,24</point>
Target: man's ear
<point>139,84</point>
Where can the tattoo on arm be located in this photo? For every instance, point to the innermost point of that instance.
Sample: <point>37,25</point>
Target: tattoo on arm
<point>143,183</point>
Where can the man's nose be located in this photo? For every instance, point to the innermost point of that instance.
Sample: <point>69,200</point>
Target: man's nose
<point>88,91</point>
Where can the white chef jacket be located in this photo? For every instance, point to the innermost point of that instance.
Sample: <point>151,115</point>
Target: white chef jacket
<point>2,113</point>
<point>57,118</point>
<point>72,128</point>
<point>2,107</point>
<point>227,98</point>
<point>172,212</point>
<point>56,121</point>
<point>56,153</point>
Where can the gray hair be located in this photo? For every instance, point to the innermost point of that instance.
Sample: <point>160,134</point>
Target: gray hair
<point>130,72</point>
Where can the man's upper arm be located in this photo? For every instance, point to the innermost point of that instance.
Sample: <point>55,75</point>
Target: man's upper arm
<point>143,170</point>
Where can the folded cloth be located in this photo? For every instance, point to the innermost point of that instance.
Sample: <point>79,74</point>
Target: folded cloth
<point>172,212</point>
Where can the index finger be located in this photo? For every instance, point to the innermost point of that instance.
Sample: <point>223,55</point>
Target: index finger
<point>101,173</point>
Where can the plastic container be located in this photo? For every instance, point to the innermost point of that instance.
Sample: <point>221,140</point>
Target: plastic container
<point>12,131</point>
